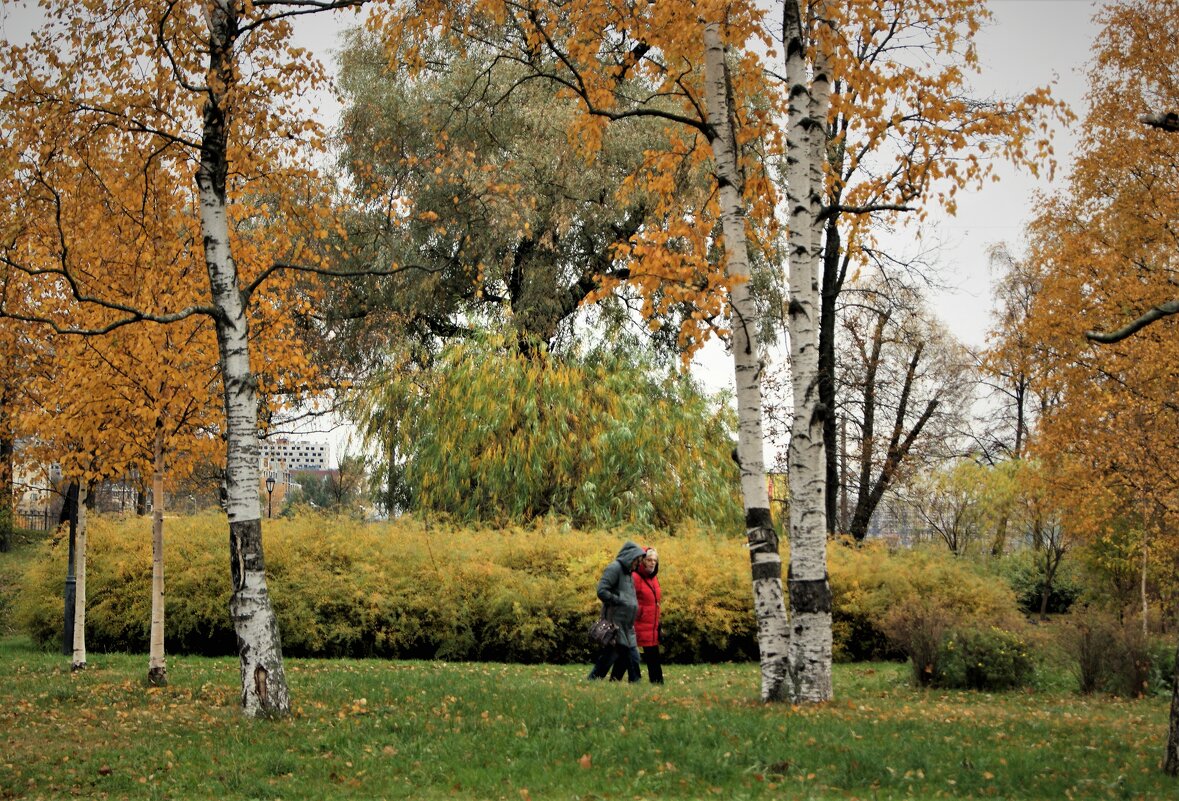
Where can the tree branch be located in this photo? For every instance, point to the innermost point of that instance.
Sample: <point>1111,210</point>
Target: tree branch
<point>831,211</point>
<point>1167,120</point>
<point>162,42</point>
<point>296,8</point>
<point>132,317</point>
<point>1131,328</point>
<point>249,290</point>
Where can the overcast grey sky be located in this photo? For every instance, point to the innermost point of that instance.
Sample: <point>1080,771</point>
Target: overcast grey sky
<point>1031,43</point>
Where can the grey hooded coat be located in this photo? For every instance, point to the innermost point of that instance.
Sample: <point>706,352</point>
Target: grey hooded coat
<point>616,591</point>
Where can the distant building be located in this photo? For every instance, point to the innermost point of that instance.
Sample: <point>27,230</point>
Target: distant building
<point>282,455</point>
<point>34,484</point>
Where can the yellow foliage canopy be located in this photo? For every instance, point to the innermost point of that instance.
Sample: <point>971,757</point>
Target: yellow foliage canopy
<point>98,148</point>
<point>1106,250</point>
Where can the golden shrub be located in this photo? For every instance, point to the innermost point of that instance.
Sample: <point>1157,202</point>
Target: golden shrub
<point>416,589</point>
<point>870,581</point>
<point>405,588</point>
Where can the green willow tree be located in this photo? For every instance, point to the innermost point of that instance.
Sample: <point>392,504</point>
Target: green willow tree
<point>462,167</point>
<point>491,433</point>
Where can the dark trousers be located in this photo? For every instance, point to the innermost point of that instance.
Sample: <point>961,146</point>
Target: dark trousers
<point>622,658</point>
<point>654,665</point>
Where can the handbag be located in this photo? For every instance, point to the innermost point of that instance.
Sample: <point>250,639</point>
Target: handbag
<point>602,632</point>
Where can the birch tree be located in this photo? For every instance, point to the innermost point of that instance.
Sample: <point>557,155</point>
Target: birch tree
<point>78,659</point>
<point>209,84</point>
<point>773,636</point>
<point>905,132</point>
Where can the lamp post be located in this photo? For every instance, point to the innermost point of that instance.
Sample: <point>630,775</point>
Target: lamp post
<point>70,513</point>
<point>270,496</point>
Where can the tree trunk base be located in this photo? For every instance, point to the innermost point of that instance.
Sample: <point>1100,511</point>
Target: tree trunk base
<point>76,666</point>
<point>157,677</point>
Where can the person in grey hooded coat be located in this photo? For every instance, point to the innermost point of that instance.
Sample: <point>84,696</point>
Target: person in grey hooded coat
<point>616,591</point>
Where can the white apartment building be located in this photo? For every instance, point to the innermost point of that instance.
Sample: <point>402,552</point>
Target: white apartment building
<point>283,455</point>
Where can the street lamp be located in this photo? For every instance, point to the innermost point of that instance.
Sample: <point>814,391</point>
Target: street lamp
<point>270,496</point>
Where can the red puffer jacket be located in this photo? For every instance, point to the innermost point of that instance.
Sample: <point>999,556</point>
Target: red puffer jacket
<point>649,596</point>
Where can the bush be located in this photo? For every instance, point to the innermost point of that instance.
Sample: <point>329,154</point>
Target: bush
<point>1089,646</point>
<point>409,588</point>
<point>1026,578</point>
<point>6,525</point>
<point>983,659</point>
<point>873,586</point>
<point>1162,667</point>
<point>398,589</point>
<point>918,627</point>
<point>1129,663</point>
<point>1116,656</point>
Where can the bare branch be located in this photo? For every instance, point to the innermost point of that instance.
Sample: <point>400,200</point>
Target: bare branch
<point>831,211</point>
<point>296,8</point>
<point>249,290</point>
<point>1131,328</point>
<point>1167,120</point>
<point>131,318</point>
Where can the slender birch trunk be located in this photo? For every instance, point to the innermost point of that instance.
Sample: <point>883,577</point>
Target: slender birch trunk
<point>809,660</point>
<point>78,661</point>
<point>264,686</point>
<point>157,669</point>
<point>773,632</point>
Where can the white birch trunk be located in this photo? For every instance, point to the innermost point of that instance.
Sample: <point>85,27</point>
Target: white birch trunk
<point>78,660</point>
<point>765,561</point>
<point>264,687</point>
<point>157,669</point>
<point>809,661</point>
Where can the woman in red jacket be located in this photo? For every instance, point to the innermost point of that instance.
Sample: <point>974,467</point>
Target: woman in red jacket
<point>649,596</point>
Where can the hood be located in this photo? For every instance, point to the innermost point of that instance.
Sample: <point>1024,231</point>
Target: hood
<point>629,552</point>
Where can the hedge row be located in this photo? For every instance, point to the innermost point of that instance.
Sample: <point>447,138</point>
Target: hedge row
<point>410,589</point>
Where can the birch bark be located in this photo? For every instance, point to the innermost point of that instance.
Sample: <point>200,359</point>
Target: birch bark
<point>765,560</point>
<point>264,687</point>
<point>157,669</point>
<point>78,660</point>
<point>809,658</point>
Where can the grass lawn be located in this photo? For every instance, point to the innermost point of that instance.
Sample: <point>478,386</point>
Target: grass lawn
<point>427,730</point>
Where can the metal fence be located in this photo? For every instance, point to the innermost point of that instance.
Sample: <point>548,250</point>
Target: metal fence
<point>35,521</point>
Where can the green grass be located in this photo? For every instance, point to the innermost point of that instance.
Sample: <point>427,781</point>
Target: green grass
<point>428,730</point>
